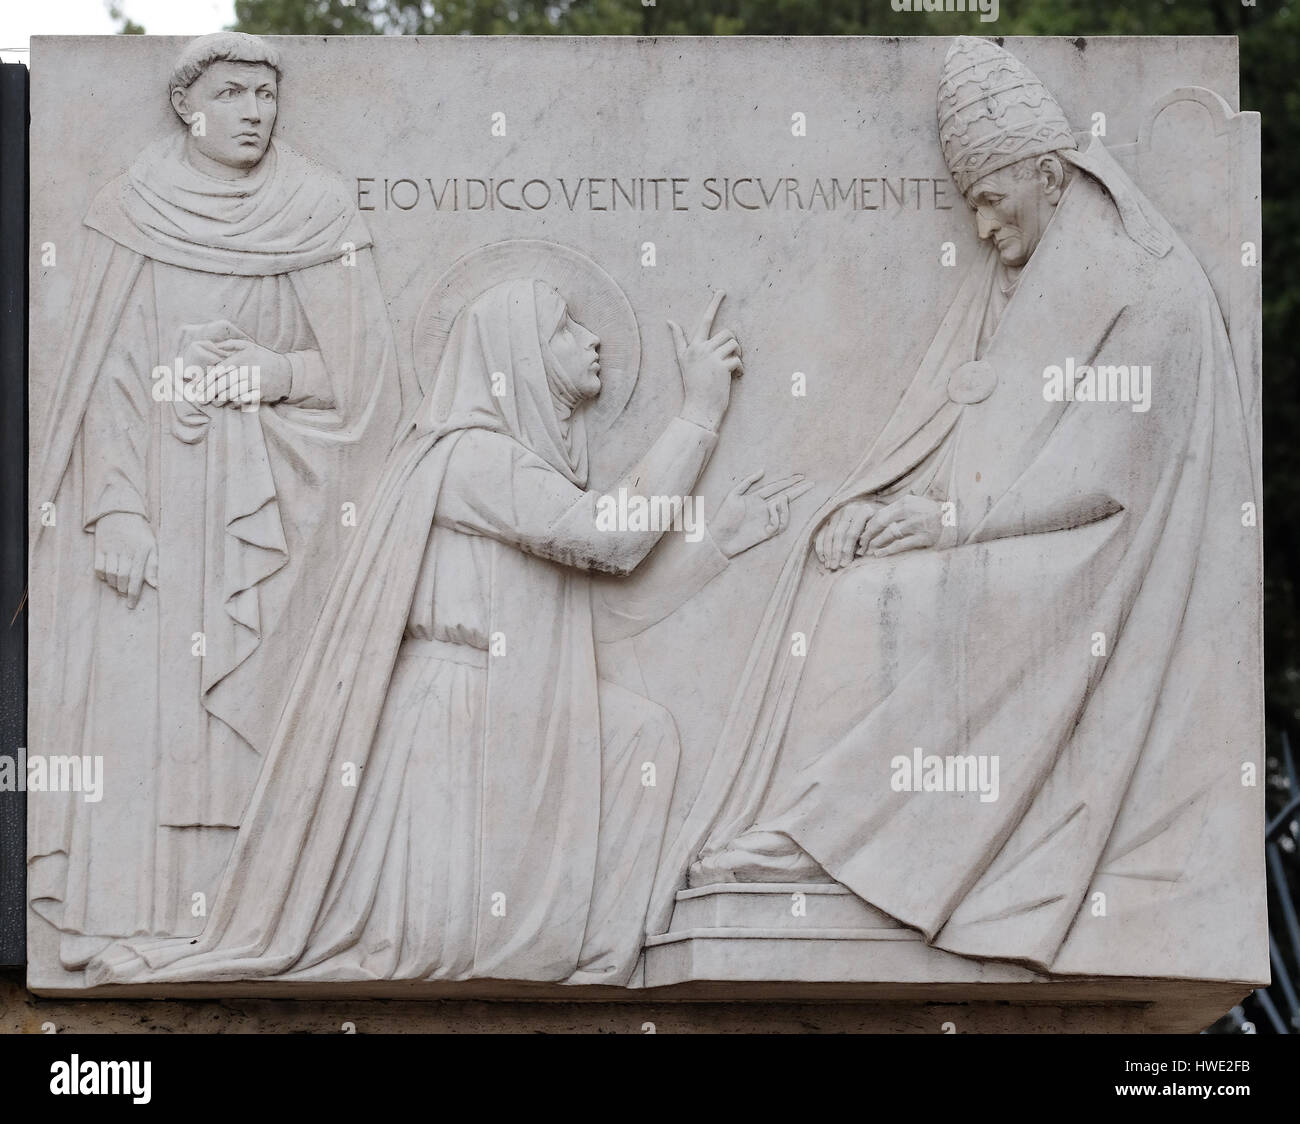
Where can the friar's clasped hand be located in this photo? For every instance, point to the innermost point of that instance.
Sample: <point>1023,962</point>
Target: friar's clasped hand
<point>231,371</point>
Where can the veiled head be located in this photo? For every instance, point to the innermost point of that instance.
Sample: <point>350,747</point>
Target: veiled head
<point>572,351</point>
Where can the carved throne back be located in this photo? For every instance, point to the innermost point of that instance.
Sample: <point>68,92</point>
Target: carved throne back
<point>1197,160</point>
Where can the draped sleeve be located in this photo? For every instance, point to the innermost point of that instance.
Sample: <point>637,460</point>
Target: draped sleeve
<point>116,430</point>
<point>495,487</point>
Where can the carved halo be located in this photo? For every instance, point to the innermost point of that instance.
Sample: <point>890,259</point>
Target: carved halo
<point>593,296</point>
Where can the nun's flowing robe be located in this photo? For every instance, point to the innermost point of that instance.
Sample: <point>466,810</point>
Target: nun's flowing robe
<point>1087,621</point>
<point>501,826</point>
<point>182,692</point>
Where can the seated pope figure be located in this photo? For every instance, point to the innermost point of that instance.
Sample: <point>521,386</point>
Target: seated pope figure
<point>1013,579</point>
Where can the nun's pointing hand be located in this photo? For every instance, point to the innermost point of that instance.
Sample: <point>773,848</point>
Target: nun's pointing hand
<point>750,514</point>
<point>707,363</point>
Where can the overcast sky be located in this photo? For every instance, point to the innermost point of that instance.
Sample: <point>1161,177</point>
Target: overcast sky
<point>21,19</point>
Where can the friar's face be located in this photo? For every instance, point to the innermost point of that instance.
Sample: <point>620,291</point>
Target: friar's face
<point>238,104</point>
<point>1014,205</point>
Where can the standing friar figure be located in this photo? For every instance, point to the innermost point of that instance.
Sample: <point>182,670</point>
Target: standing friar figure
<point>1054,584</point>
<point>230,386</point>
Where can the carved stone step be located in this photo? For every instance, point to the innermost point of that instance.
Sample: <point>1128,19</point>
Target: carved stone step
<point>753,931</point>
<point>750,905</point>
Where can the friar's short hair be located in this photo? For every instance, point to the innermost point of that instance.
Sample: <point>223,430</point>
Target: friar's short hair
<point>221,46</point>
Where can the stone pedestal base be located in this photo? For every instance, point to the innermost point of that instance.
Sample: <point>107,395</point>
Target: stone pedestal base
<point>739,958</point>
<point>818,940</point>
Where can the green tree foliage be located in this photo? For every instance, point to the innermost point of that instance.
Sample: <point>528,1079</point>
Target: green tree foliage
<point>127,26</point>
<point>422,17</point>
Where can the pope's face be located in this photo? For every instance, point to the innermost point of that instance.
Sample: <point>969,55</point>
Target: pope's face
<point>1013,211</point>
<point>238,103</point>
<point>574,348</point>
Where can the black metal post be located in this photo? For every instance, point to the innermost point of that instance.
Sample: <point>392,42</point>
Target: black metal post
<point>13,499</point>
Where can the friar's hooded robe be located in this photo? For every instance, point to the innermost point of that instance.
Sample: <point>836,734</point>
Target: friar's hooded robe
<point>1087,622</point>
<point>247,507</point>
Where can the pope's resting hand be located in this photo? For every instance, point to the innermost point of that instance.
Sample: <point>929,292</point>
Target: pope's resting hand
<point>837,541</point>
